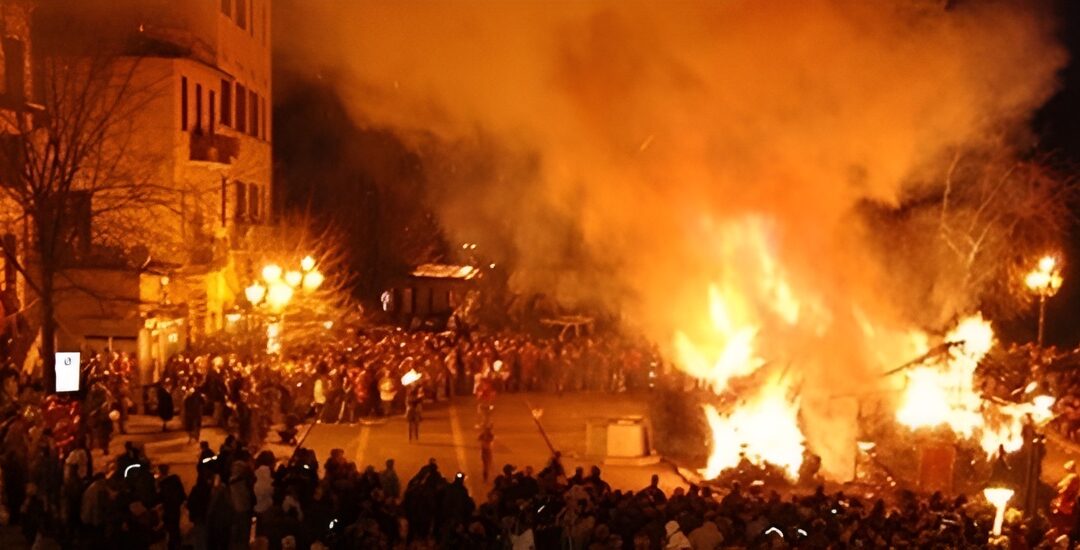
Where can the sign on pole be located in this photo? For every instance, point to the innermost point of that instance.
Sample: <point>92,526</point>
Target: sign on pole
<point>67,372</point>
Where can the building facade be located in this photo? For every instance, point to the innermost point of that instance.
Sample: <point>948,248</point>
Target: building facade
<point>200,138</point>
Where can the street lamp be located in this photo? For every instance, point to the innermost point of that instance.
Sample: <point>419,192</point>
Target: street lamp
<point>271,272</point>
<point>307,264</point>
<point>313,280</point>
<point>1044,281</point>
<point>279,295</point>
<point>294,278</point>
<point>255,293</point>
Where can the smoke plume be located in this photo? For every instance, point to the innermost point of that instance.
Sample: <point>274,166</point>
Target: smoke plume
<point>640,152</point>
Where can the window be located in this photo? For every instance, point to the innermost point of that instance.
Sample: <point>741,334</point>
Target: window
<point>241,108</point>
<point>253,201</point>
<point>183,103</point>
<point>226,8</point>
<point>212,119</point>
<point>226,102</point>
<point>251,16</point>
<point>264,129</point>
<point>241,13</point>
<point>254,98</point>
<point>241,202</point>
<point>15,69</point>
<point>198,108</point>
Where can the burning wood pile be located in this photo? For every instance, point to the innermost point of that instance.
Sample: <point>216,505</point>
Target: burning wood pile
<point>929,414</point>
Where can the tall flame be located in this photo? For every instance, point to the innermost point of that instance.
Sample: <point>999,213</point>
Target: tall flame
<point>764,429</point>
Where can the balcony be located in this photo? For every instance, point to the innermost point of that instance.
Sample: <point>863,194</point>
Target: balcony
<point>213,148</point>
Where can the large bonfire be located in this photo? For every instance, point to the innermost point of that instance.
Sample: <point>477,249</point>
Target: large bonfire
<point>745,354</point>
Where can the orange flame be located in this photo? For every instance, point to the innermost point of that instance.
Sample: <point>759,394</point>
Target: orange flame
<point>945,395</point>
<point>763,429</point>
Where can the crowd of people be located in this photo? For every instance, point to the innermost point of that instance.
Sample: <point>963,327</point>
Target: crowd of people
<point>245,500</point>
<point>363,374</point>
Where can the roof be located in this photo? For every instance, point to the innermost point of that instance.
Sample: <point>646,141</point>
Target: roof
<point>445,271</point>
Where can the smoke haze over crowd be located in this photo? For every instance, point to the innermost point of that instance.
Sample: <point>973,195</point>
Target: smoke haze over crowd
<point>637,153</point>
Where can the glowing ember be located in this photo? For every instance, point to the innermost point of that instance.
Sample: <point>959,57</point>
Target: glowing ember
<point>764,429</point>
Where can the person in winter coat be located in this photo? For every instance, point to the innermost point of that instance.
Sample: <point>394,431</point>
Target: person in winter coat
<point>388,480</point>
<point>264,497</point>
<point>241,496</point>
<point>171,495</point>
<point>193,409</point>
<point>675,539</point>
<point>95,507</point>
<point>198,505</point>
<point>412,412</point>
<point>164,405</point>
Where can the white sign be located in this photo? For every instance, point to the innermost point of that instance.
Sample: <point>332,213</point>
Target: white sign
<point>67,372</point>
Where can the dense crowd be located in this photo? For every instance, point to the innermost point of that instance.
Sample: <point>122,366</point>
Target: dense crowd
<point>361,375</point>
<point>240,500</point>
<point>243,497</point>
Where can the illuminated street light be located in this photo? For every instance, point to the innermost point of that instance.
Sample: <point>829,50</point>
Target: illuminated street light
<point>255,293</point>
<point>1044,281</point>
<point>307,264</point>
<point>271,273</point>
<point>313,280</point>
<point>294,278</point>
<point>279,295</point>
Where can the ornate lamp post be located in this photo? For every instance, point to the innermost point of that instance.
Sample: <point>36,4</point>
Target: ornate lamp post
<point>1044,281</point>
<point>276,291</point>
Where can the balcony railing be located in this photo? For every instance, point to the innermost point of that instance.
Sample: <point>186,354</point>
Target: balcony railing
<point>214,147</point>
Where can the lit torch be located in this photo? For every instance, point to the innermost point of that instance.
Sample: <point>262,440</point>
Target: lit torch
<point>997,491</point>
<point>410,377</point>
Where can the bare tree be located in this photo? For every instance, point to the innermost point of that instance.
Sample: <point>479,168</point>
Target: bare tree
<point>72,160</point>
<point>962,241</point>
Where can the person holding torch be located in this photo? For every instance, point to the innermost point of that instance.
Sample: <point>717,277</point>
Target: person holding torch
<point>413,401</point>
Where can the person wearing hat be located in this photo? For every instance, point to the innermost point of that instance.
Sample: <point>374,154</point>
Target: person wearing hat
<point>675,539</point>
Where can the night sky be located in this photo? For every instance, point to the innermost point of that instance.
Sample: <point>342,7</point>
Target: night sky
<point>1058,129</point>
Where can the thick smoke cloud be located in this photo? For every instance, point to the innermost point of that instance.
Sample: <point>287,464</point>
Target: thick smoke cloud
<point>637,140</point>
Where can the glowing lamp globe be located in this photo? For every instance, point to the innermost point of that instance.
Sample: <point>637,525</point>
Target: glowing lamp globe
<point>1047,264</point>
<point>255,293</point>
<point>313,280</point>
<point>1037,280</point>
<point>271,272</point>
<point>307,264</point>
<point>279,295</point>
<point>294,278</point>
